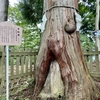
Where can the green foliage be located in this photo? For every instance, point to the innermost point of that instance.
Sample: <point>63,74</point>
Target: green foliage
<point>31,33</point>
<point>31,10</point>
<point>3,98</point>
<point>31,37</point>
<point>87,41</point>
<point>87,11</point>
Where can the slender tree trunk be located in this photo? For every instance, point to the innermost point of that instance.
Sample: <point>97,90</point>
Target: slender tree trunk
<point>3,10</point>
<point>3,17</point>
<point>61,43</point>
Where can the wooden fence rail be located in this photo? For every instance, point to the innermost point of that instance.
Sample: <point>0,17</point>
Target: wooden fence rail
<point>92,58</point>
<point>21,62</point>
<point>21,65</point>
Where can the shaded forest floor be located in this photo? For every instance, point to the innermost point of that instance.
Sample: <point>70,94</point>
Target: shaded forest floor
<point>23,90</point>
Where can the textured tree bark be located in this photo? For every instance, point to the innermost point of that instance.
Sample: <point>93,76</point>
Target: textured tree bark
<point>3,10</point>
<point>61,42</point>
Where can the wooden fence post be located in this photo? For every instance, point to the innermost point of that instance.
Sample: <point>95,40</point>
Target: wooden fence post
<point>35,65</point>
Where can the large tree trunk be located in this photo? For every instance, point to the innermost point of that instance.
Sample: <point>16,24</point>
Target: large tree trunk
<point>61,43</point>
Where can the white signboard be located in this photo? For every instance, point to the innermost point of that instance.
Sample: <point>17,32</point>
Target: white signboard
<point>10,34</point>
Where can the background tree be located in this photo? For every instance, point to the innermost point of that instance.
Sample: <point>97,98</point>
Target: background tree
<point>87,10</point>
<point>31,33</point>
<point>3,17</point>
<point>3,10</point>
<point>32,10</point>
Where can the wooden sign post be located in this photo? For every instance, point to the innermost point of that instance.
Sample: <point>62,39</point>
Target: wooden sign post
<point>10,35</point>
